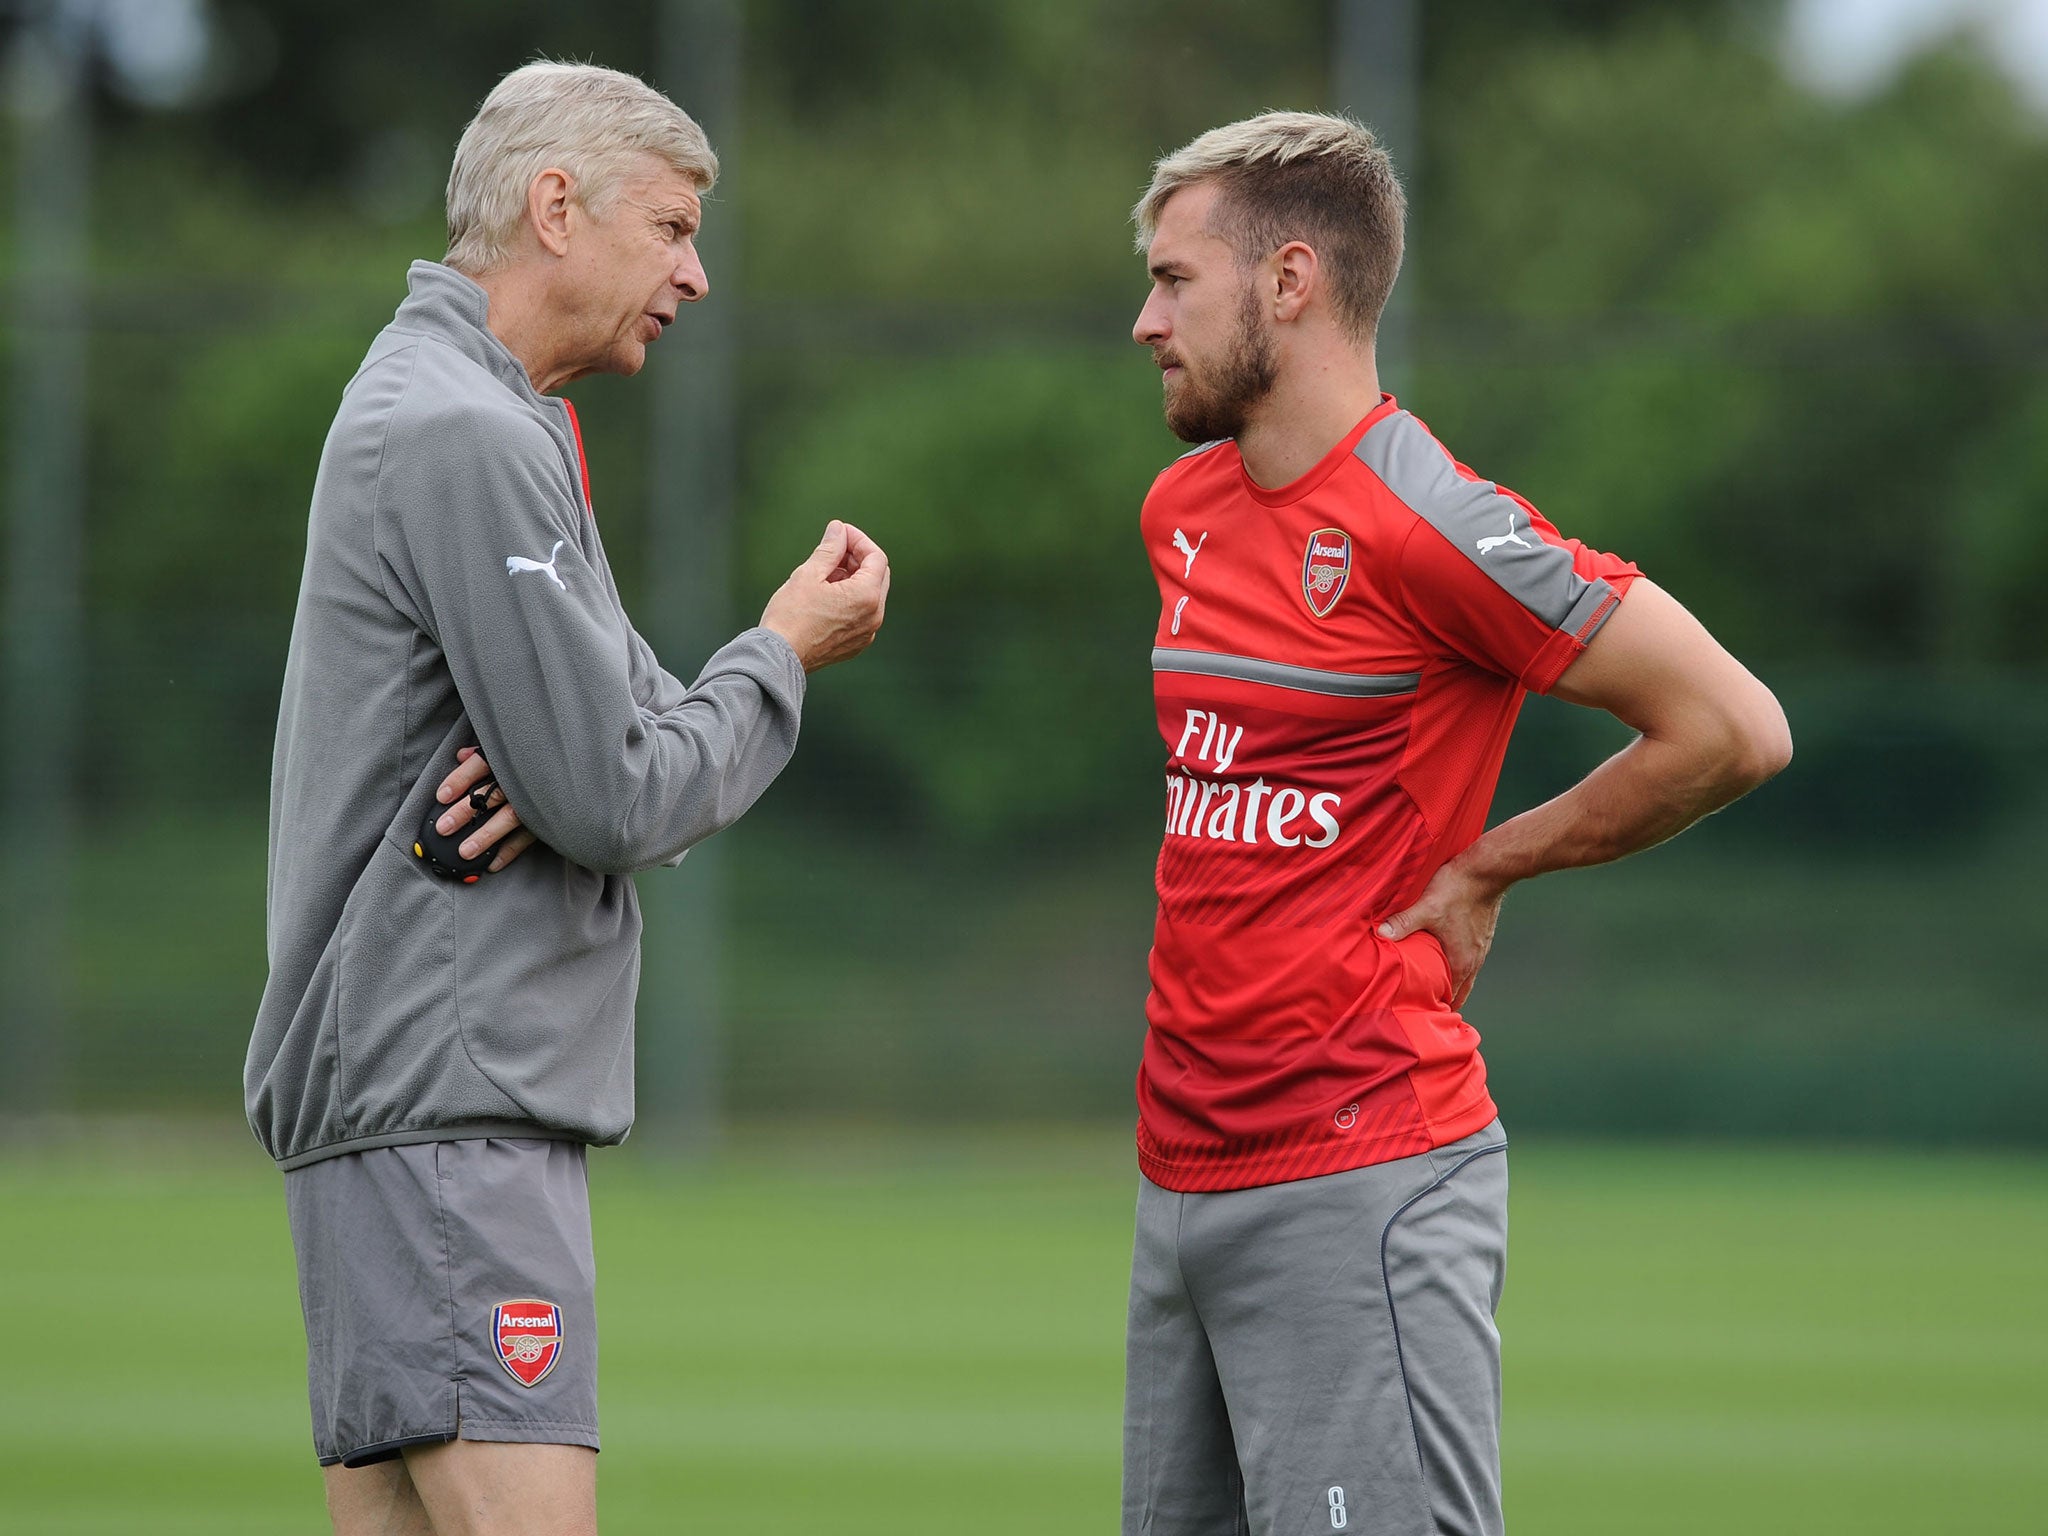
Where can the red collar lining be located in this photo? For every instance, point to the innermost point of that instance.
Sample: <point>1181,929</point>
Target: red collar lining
<point>582,461</point>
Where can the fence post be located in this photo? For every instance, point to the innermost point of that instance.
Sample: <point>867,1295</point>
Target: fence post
<point>692,462</point>
<point>46,93</point>
<point>1377,78</point>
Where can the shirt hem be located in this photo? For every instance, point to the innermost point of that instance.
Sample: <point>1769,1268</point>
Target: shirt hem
<point>1477,1116</point>
<point>1184,1176</point>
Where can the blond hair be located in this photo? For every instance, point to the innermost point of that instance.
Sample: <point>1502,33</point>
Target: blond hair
<point>1309,176</point>
<point>589,122</point>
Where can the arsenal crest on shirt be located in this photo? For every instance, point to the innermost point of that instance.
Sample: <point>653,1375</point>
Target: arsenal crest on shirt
<point>1325,567</point>
<point>528,1336</point>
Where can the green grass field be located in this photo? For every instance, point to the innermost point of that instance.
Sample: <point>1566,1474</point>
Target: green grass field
<point>872,1335</point>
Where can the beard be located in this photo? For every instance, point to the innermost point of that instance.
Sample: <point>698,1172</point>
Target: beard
<point>1203,409</point>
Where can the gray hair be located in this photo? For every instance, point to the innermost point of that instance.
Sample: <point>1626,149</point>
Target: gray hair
<point>589,122</point>
<point>1308,176</point>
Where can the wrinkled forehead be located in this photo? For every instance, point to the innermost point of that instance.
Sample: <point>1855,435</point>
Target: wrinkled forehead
<point>654,183</point>
<point>1182,232</point>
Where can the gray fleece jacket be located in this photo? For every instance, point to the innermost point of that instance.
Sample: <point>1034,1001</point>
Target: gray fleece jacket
<point>456,592</point>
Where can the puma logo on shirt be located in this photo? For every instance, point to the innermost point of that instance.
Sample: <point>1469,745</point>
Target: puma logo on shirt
<point>514,564</point>
<point>1510,537</point>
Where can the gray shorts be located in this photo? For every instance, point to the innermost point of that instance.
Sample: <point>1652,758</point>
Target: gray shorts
<point>1320,1355</point>
<point>448,1290</point>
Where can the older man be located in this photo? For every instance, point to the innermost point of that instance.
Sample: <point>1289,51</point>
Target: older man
<point>433,1054</point>
<point>1349,619</point>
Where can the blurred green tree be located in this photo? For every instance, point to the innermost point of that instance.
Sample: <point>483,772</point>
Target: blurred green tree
<point>1009,701</point>
<point>1783,351</point>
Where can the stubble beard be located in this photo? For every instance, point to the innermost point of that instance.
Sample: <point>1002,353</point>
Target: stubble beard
<point>1198,412</point>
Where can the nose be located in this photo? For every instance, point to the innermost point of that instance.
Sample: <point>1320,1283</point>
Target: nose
<point>688,278</point>
<point>1151,328</point>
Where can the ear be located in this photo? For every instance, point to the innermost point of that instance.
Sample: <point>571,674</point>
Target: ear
<point>547,209</point>
<point>1295,275</point>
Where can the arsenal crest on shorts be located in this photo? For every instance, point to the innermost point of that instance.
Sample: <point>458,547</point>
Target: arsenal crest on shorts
<point>1325,567</point>
<point>528,1336</point>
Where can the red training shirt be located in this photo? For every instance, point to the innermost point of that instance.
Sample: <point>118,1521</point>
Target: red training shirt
<point>1337,668</point>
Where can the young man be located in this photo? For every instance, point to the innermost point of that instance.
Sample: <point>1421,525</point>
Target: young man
<point>1349,618</point>
<point>432,1057</point>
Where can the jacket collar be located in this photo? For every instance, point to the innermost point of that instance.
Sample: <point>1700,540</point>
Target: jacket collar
<point>442,303</point>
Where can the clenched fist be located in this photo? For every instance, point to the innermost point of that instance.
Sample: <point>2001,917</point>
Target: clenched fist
<point>832,604</point>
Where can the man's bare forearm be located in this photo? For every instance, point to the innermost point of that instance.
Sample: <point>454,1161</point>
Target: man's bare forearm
<point>1709,733</point>
<point>1651,790</point>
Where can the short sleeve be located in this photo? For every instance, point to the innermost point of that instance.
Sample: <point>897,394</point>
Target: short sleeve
<point>1483,576</point>
<point>1490,580</point>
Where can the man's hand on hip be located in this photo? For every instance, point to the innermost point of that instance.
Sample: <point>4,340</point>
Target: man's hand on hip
<point>502,831</point>
<point>831,606</point>
<point>1460,909</point>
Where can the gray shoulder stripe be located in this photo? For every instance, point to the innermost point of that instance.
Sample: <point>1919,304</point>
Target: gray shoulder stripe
<point>1489,528</point>
<point>1203,448</point>
<point>1249,669</point>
